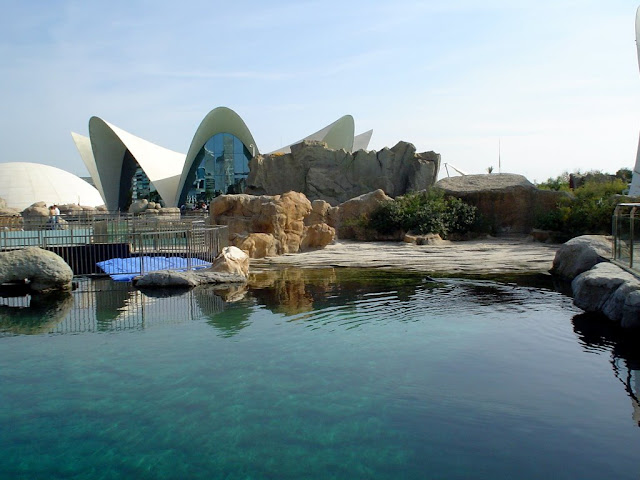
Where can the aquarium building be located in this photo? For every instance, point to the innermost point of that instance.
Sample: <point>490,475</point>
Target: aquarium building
<point>125,167</point>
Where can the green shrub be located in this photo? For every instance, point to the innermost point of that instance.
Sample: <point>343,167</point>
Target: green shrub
<point>588,212</point>
<point>560,183</point>
<point>423,213</point>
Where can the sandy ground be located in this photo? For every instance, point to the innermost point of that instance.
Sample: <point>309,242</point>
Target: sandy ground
<point>503,255</point>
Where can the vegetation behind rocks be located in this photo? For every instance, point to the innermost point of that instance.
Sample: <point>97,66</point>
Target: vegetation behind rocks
<point>589,210</point>
<point>423,213</point>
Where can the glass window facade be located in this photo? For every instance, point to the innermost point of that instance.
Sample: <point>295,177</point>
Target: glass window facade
<point>222,166</point>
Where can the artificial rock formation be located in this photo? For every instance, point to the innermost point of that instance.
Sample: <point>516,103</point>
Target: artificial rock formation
<point>581,254</point>
<point>608,289</point>
<point>268,225</point>
<point>44,270</point>
<point>597,284</point>
<point>231,266</point>
<point>509,201</point>
<point>145,207</point>
<point>231,260</point>
<point>352,213</point>
<point>337,175</point>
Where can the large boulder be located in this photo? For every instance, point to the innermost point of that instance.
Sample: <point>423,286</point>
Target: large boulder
<point>336,175</point>
<point>581,254</point>
<point>139,206</point>
<point>322,212</point>
<point>354,212</point>
<point>610,290</point>
<point>231,260</point>
<point>44,270</point>
<point>257,245</point>
<point>316,236</point>
<point>508,201</point>
<point>36,216</point>
<point>279,218</point>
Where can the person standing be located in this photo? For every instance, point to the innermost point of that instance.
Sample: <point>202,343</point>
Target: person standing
<point>56,217</point>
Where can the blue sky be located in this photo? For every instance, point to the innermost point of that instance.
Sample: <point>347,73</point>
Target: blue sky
<point>556,83</point>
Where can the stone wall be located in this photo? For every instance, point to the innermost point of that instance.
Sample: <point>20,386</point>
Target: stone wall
<point>336,176</point>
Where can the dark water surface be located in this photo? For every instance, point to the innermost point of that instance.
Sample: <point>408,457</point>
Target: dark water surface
<point>316,374</point>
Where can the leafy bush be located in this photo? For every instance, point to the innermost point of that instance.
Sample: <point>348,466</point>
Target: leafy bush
<point>560,183</point>
<point>589,211</point>
<point>424,213</point>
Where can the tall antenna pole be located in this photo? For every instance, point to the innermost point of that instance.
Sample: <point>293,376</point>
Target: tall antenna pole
<point>499,158</point>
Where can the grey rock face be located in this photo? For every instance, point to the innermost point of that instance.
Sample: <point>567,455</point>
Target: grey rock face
<point>169,278</point>
<point>45,270</point>
<point>608,289</point>
<point>336,175</point>
<point>580,254</point>
<point>508,201</point>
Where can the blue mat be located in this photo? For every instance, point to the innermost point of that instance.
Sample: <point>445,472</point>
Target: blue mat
<point>124,269</point>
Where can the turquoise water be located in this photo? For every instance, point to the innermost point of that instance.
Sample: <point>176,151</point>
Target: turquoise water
<point>318,374</point>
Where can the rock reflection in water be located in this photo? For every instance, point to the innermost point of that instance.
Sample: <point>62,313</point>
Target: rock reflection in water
<point>294,291</point>
<point>211,300</point>
<point>35,314</point>
<point>596,332</point>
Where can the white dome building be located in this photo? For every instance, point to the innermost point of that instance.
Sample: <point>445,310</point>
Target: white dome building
<point>23,184</point>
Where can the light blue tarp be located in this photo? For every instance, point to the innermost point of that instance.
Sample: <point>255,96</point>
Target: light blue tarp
<point>124,269</point>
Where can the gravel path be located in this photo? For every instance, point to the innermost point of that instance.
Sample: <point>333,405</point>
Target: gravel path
<point>503,255</point>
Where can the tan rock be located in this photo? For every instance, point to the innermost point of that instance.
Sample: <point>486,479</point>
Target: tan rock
<point>428,239</point>
<point>318,235</point>
<point>281,216</point>
<point>231,260</point>
<point>36,216</point>
<point>257,245</point>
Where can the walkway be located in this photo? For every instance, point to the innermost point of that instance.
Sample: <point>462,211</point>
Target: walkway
<point>503,255</point>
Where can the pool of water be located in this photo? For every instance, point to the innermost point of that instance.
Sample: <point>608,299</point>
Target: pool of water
<point>330,374</point>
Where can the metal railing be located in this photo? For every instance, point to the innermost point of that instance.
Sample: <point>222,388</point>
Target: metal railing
<point>84,243</point>
<point>626,235</point>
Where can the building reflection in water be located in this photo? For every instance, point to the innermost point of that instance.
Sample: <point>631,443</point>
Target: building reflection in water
<point>597,333</point>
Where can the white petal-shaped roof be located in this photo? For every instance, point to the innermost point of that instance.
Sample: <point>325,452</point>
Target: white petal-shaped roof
<point>110,143</point>
<point>23,184</point>
<point>337,135</point>
<point>218,120</point>
<point>361,142</point>
<point>105,150</point>
<point>83,144</point>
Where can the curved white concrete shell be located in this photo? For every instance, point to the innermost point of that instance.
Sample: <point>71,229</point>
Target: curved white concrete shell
<point>111,154</point>
<point>218,120</point>
<point>337,135</point>
<point>361,142</point>
<point>83,144</point>
<point>110,146</point>
<point>22,184</point>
